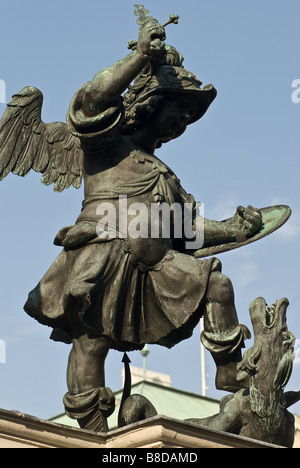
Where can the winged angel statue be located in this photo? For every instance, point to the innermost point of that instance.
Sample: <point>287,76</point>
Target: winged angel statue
<point>119,292</point>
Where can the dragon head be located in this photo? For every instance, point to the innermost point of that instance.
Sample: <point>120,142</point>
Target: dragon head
<point>269,361</point>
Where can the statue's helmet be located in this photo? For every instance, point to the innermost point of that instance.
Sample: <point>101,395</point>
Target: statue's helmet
<point>165,75</point>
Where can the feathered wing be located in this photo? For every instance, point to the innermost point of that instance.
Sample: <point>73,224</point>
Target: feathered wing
<point>26,143</point>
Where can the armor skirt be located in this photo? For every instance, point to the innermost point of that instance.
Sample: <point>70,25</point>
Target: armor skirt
<point>102,289</point>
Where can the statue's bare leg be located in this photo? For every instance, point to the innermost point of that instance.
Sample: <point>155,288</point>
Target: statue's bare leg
<point>88,400</point>
<point>223,336</point>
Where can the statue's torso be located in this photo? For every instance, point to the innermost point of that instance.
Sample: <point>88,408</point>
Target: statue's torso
<point>133,185</point>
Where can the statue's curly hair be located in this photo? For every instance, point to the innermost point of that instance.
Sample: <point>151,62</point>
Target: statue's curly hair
<point>140,112</point>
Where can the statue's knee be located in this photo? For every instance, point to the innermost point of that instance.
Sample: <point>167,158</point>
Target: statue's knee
<point>92,347</point>
<point>220,288</point>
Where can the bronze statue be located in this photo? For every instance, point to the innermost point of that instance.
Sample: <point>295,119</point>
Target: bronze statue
<point>119,291</point>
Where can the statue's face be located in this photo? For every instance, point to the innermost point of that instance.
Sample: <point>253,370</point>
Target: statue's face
<point>172,118</point>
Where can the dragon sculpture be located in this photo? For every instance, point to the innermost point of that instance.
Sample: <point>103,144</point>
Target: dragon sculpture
<point>260,411</point>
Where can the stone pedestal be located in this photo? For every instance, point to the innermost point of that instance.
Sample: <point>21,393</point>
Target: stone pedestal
<point>18,430</point>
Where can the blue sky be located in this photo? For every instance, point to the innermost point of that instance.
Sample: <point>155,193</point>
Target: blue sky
<point>244,151</point>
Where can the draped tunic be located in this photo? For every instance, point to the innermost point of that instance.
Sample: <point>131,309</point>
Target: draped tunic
<point>134,290</point>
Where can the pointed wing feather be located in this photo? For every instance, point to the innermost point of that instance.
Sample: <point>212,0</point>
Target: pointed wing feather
<point>26,143</point>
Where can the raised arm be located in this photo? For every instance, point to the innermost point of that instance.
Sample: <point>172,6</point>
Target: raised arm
<point>103,90</point>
